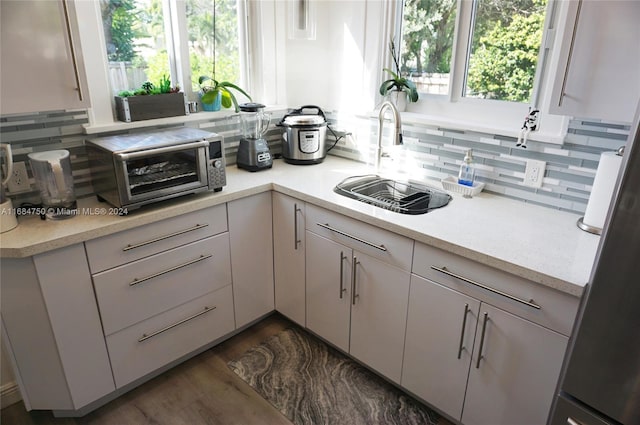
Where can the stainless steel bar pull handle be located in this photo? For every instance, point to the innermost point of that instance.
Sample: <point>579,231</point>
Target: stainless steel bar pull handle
<point>464,325</point>
<point>163,237</point>
<point>342,258</point>
<point>296,241</point>
<point>145,337</point>
<point>172,269</point>
<point>484,330</point>
<point>355,238</point>
<point>444,270</point>
<point>571,421</point>
<point>72,48</point>
<point>354,295</point>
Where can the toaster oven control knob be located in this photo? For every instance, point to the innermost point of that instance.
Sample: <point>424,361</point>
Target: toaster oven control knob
<point>217,163</point>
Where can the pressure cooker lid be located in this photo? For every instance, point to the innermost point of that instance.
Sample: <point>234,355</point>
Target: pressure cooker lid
<point>303,120</point>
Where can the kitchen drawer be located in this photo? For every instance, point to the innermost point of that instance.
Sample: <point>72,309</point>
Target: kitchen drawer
<point>130,245</point>
<point>143,288</point>
<point>557,309</point>
<point>170,335</point>
<point>378,243</point>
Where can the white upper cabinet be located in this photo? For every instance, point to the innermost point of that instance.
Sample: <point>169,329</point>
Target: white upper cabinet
<point>598,75</point>
<point>42,66</point>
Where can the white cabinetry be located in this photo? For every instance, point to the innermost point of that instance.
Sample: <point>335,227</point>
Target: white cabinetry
<point>53,330</point>
<point>598,75</point>
<point>514,370</point>
<point>288,256</point>
<point>42,66</point>
<point>357,291</point>
<point>441,327</point>
<point>510,349</point>
<point>250,231</point>
<point>163,290</point>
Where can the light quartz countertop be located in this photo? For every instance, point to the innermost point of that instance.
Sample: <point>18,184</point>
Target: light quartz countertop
<point>534,242</point>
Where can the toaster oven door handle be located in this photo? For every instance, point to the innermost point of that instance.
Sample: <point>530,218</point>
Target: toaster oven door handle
<point>125,156</point>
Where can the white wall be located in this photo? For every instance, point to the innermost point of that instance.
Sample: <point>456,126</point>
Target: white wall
<point>341,68</point>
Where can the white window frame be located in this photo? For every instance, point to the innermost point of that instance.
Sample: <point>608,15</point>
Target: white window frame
<point>488,115</point>
<point>102,111</point>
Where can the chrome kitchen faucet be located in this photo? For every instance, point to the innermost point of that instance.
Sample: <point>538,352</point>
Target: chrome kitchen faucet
<point>397,131</point>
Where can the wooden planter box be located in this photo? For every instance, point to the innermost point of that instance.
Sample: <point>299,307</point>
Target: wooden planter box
<point>138,108</point>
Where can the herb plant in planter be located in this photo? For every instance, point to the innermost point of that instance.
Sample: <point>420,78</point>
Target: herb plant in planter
<point>214,94</point>
<point>150,101</point>
<point>398,88</point>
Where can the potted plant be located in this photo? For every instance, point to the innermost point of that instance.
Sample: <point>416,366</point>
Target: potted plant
<point>398,88</point>
<point>214,94</point>
<point>151,101</point>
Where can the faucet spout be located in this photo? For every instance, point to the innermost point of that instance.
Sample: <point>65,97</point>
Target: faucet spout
<point>397,131</point>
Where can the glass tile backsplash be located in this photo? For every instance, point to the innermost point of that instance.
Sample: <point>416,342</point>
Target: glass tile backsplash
<point>432,153</point>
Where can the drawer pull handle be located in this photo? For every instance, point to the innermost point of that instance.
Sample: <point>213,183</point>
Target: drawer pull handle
<point>161,238</point>
<point>342,258</point>
<point>188,263</point>
<point>144,337</point>
<point>464,325</point>
<point>354,294</point>
<point>296,241</point>
<point>484,330</point>
<point>444,270</point>
<point>571,421</point>
<point>355,238</point>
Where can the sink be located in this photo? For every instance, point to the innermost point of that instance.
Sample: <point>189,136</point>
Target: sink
<point>392,195</point>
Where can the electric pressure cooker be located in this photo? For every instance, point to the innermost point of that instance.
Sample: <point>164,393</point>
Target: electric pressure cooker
<point>304,138</point>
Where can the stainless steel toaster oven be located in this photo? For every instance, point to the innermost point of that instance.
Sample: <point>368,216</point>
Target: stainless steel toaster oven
<point>132,170</point>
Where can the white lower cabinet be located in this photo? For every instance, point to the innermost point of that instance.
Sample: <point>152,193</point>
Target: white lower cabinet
<point>514,370</point>
<point>354,300</point>
<point>159,340</point>
<point>288,256</point>
<point>250,233</point>
<point>479,363</point>
<point>441,328</point>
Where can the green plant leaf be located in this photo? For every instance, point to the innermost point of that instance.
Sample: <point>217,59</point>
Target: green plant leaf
<point>203,78</point>
<point>226,98</point>
<point>233,86</point>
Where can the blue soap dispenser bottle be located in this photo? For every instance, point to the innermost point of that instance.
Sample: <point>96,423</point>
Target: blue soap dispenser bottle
<point>467,171</point>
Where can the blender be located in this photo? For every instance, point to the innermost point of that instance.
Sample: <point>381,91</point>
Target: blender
<point>52,170</point>
<point>253,151</point>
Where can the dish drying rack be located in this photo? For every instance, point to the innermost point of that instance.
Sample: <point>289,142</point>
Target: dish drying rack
<point>393,195</point>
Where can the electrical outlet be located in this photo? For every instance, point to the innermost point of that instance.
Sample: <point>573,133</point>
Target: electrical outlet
<point>534,173</point>
<point>19,181</point>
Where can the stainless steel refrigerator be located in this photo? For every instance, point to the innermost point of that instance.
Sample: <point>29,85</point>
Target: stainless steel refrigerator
<point>600,382</point>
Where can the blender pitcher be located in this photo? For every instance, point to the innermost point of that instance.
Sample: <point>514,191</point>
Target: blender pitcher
<point>52,171</point>
<point>253,150</point>
<point>254,121</point>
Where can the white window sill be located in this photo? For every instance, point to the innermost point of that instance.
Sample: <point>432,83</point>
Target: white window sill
<point>180,119</point>
<point>444,123</point>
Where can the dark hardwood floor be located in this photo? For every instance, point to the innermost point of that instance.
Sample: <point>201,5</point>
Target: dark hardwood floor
<point>200,391</point>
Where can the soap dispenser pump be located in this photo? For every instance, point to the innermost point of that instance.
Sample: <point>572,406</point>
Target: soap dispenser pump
<point>467,172</point>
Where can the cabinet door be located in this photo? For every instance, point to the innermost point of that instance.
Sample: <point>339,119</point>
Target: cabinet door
<point>515,379</point>
<point>251,240</point>
<point>441,327</point>
<point>288,256</point>
<point>328,293</point>
<point>599,75</point>
<point>42,66</point>
<point>379,314</point>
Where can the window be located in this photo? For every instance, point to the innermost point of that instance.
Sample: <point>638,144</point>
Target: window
<point>501,38</point>
<point>145,38</point>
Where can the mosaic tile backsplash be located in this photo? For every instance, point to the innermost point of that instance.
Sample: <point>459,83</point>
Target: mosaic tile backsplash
<point>434,153</point>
